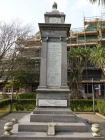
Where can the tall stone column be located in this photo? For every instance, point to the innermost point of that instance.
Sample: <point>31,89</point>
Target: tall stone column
<point>43,66</point>
<point>53,87</point>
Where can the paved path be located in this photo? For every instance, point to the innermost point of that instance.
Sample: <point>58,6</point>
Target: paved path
<point>92,117</point>
<point>95,119</point>
<point>9,117</point>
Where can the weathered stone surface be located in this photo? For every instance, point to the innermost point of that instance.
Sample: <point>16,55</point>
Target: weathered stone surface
<point>54,64</point>
<point>54,20</point>
<point>52,111</point>
<point>53,95</point>
<point>47,102</point>
<point>53,90</point>
<point>64,65</point>
<point>58,136</point>
<point>52,118</point>
<point>44,50</point>
<point>64,77</point>
<point>52,33</point>
<point>54,39</point>
<point>51,129</point>
<point>43,72</point>
<point>59,127</point>
<point>62,19</point>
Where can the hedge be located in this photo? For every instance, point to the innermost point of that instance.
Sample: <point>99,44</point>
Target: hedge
<point>5,96</point>
<point>101,106</point>
<point>25,101</point>
<point>24,104</point>
<point>82,105</point>
<point>75,105</point>
<point>27,95</point>
<point>4,103</point>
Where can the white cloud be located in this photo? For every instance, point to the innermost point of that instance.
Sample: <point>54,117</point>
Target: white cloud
<point>5,14</point>
<point>82,8</point>
<point>85,6</point>
<point>34,11</point>
<point>61,4</point>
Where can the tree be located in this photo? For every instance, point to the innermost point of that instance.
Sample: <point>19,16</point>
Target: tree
<point>99,1</point>
<point>9,33</point>
<point>97,57</point>
<point>73,82</point>
<point>17,86</point>
<point>25,74</point>
<point>78,58</point>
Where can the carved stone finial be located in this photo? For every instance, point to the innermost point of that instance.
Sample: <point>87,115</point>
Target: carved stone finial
<point>54,6</point>
<point>96,130</point>
<point>8,127</point>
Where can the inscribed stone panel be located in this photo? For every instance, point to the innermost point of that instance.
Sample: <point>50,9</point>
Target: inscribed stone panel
<point>44,102</point>
<point>54,20</point>
<point>54,64</point>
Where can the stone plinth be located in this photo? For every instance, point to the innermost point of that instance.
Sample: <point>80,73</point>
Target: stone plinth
<point>60,97</point>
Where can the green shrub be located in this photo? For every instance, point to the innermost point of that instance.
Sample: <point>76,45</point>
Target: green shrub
<point>24,104</point>
<point>24,101</point>
<point>27,95</point>
<point>5,102</point>
<point>21,107</point>
<point>75,105</point>
<point>82,105</point>
<point>18,107</point>
<point>19,104</point>
<point>101,106</point>
<point>5,96</point>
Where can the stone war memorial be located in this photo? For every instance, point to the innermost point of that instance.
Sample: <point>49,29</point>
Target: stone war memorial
<point>52,119</point>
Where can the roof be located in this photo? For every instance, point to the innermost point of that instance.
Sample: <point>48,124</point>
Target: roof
<point>37,33</point>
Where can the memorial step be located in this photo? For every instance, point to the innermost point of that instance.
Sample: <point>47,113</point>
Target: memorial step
<point>52,111</point>
<point>59,127</point>
<point>43,136</point>
<point>52,118</point>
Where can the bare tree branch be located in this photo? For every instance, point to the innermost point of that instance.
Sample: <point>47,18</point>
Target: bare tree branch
<point>9,34</point>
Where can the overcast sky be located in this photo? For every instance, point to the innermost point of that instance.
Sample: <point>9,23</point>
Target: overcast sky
<point>32,11</point>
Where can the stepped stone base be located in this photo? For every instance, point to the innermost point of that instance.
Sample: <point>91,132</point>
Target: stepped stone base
<point>59,127</point>
<point>58,136</point>
<point>28,126</point>
<point>74,128</point>
<point>52,111</point>
<point>52,115</point>
<point>52,118</point>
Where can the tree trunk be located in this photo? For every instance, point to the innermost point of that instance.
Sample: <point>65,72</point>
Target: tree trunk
<point>80,85</point>
<point>17,91</point>
<point>78,90</point>
<point>75,91</point>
